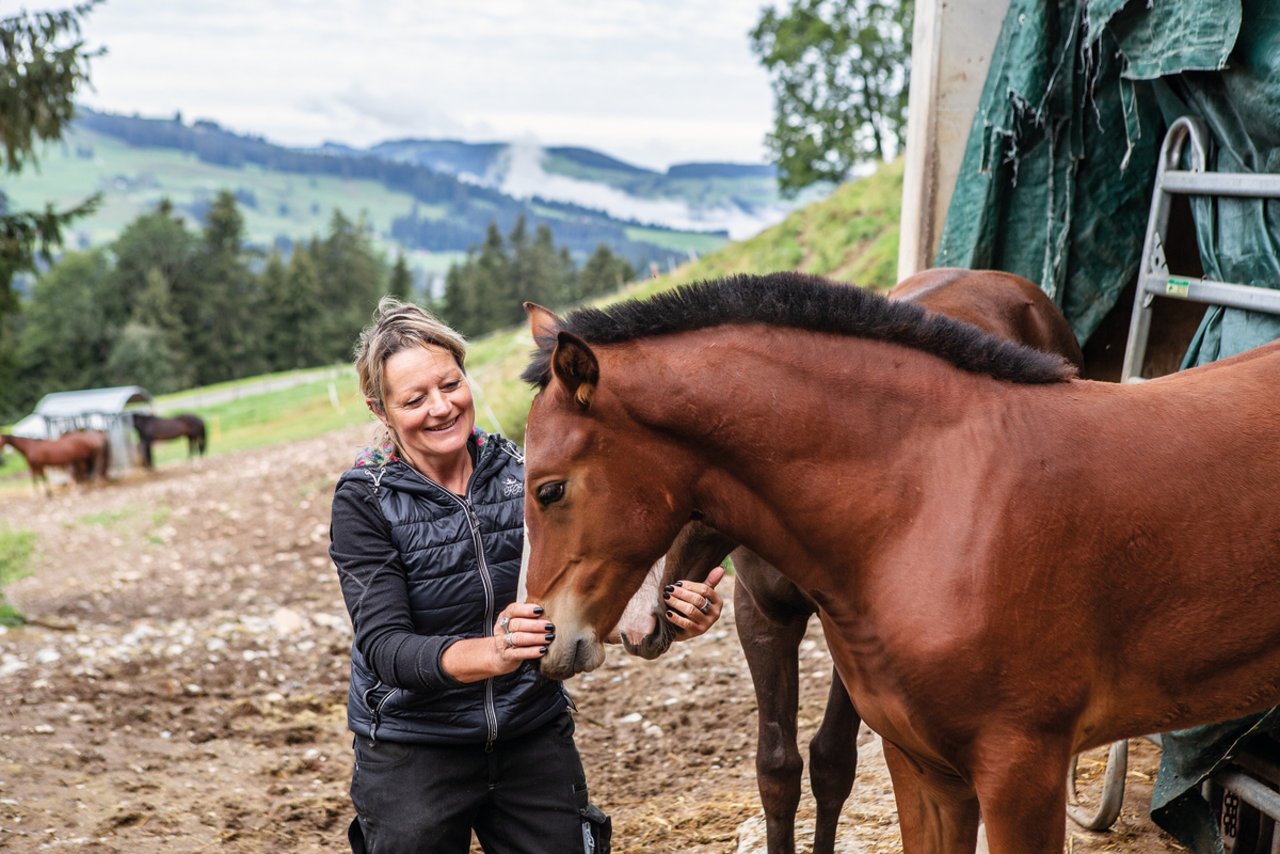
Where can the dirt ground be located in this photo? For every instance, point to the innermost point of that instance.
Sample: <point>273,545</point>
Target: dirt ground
<point>183,687</point>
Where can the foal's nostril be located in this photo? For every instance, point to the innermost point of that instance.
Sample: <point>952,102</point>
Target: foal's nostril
<point>580,651</point>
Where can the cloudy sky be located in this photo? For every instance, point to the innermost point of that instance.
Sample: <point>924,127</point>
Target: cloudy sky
<point>651,81</point>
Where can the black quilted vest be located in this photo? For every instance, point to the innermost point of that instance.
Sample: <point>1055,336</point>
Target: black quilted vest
<point>462,559</point>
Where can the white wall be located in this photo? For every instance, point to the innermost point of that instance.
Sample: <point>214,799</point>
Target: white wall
<point>951,49</point>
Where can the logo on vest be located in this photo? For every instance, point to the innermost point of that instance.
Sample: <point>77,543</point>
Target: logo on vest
<point>511,487</point>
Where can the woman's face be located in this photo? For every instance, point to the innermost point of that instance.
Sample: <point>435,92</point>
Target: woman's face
<point>428,405</point>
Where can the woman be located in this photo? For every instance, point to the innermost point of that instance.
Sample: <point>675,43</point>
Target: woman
<point>455,731</point>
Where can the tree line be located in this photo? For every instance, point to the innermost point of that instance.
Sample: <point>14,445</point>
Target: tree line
<point>168,307</point>
<point>487,291</point>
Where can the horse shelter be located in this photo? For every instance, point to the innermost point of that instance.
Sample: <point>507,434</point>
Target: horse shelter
<point>107,409</point>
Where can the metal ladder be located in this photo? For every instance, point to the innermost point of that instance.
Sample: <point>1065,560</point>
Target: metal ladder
<point>1154,278</point>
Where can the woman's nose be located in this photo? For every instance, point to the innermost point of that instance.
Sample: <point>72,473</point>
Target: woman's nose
<point>436,403</point>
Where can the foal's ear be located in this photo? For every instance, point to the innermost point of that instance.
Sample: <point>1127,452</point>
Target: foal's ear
<point>575,365</point>
<point>543,322</point>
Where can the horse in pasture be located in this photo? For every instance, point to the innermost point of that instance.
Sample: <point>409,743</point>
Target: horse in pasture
<point>1011,565</point>
<point>86,455</point>
<point>153,429</point>
<point>772,613</point>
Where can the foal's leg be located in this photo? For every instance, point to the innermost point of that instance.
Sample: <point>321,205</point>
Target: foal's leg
<point>1023,789</point>
<point>771,644</point>
<point>936,814</point>
<point>833,760</point>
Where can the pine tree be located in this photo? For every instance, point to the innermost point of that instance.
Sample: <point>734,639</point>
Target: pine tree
<point>603,273</point>
<point>150,349</point>
<point>299,331</point>
<point>43,63</point>
<point>65,342</point>
<point>352,280</point>
<point>220,316</point>
<point>401,284</point>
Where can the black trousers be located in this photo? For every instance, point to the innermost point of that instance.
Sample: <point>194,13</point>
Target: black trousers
<point>522,797</point>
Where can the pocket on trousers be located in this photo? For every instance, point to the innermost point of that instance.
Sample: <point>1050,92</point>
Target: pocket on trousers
<point>381,754</point>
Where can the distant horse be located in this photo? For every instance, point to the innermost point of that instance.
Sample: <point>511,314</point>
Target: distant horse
<point>152,429</point>
<point>772,613</point>
<point>1011,565</point>
<point>86,454</point>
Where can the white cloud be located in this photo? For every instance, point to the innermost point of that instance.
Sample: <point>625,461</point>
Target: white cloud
<point>650,81</point>
<point>525,178</point>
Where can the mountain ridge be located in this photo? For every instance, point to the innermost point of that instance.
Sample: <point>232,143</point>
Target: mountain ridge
<point>287,192</point>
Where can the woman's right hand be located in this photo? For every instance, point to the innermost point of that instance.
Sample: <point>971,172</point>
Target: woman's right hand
<point>521,634</point>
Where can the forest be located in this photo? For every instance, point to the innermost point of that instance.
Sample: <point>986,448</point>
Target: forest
<point>167,307</point>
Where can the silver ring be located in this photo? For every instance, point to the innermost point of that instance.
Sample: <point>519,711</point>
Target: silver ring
<point>504,622</point>
<point>511,640</point>
<point>705,606</point>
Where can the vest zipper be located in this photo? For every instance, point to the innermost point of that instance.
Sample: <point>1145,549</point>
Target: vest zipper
<point>490,711</point>
<point>486,579</point>
<point>376,713</point>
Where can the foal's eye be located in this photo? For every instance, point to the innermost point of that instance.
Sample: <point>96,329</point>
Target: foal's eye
<point>550,493</point>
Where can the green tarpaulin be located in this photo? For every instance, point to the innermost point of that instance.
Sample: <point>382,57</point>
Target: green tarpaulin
<point>1056,186</point>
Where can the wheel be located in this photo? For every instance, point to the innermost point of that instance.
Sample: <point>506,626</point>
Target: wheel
<point>1243,828</point>
<point>1103,814</point>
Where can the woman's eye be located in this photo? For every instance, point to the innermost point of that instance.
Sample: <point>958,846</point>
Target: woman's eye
<point>451,386</point>
<point>550,493</point>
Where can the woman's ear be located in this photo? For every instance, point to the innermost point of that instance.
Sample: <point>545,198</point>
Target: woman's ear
<point>376,409</point>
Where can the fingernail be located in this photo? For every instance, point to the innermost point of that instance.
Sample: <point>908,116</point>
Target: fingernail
<point>542,649</point>
<point>669,614</point>
<point>666,595</point>
<point>668,588</point>
<point>679,584</point>
<point>537,612</point>
<point>550,636</point>
<point>550,627</point>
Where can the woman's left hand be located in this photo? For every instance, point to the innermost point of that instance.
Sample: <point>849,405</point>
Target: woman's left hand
<point>693,607</point>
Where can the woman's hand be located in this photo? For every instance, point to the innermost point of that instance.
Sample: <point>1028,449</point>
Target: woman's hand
<point>521,634</point>
<point>693,607</point>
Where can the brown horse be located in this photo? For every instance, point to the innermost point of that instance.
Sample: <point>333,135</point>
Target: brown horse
<point>772,613</point>
<point>1011,565</point>
<point>152,429</point>
<point>86,454</point>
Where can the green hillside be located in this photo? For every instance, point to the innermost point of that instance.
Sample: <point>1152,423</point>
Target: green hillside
<point>289,194</point>
<point>133,180</point>
<point>852,236</point>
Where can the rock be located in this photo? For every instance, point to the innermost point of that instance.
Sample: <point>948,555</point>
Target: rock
<point>287,621</point>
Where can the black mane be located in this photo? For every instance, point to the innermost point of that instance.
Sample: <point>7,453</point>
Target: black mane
<point>804,302</point>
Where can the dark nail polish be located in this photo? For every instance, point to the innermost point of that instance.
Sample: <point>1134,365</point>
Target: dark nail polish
<point>679,584</point>
<point>537,612</point>
<point>666,595</point>
<point>549,627</point>
<point>668,588</point>
<point>550,636</point>
<point>542,649</point>
<point>669,614</point>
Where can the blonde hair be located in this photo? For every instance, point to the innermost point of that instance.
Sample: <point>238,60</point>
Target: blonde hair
<point>397,326</point>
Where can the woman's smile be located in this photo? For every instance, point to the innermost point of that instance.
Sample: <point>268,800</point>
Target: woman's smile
<point>443,427</point>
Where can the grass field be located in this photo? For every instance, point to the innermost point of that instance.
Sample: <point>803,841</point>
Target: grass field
<point>297,206</point>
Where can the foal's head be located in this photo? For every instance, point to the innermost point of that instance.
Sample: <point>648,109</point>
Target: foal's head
<point>604,497</point>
